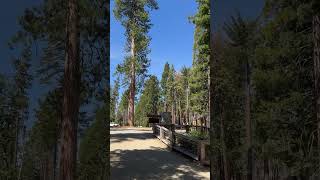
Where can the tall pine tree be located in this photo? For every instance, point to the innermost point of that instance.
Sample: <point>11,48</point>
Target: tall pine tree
<point>199,82</point>
<point>134,16</point>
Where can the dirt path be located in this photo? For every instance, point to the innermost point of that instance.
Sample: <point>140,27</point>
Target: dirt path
<point>137,154</point>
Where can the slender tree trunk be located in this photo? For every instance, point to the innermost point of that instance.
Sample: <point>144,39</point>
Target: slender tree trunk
<point>248,121</point>
<point>187,108</point>
<point>132,84</point>
<point>224,148</point>
<point>175,106</point>
<point>71,95</point>
<point>15,163</point>
<point>180,112</point>
<point>316,66</point>
<point>266,169</point>
<point>22,151</point>
<point>172,113</point>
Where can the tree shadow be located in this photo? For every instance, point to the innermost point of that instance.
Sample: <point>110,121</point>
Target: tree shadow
<point>154,163</point>
<point>120,137</point>
<point>128,129</point>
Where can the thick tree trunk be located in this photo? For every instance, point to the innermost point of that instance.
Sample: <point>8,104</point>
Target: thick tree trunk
<point>248,122</point>
<point>316,61</point>
<point>71,95</point>
<point>132,84</point>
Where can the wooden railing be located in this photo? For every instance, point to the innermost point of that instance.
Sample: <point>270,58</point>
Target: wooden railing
<point>194,148</point>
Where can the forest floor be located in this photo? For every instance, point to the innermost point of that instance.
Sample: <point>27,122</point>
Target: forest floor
<point>137,154</point>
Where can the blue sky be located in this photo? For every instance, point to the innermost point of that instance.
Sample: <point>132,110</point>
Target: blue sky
<point>172,36</point>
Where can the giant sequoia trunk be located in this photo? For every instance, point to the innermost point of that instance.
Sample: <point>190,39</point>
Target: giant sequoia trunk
<point>248,121</point>
<point>132,85</point>
<point>316,61</point>
<point>71,95</point>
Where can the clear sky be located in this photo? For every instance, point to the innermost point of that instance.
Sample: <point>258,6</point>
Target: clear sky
<point>172,36</point>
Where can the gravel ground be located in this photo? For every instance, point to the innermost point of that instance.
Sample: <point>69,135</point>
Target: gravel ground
<point>137,154</point>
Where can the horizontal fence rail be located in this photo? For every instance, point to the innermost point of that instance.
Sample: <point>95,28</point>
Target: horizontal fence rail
<point>192,147</point>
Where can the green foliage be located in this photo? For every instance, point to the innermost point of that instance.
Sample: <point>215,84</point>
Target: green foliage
<point>134,16</point>
<point>93,152</point>
<point>149,101</point>
<point>282,110</point>
<point>201,53</point>
<point>164,88</point>
<point>41,147</point>
<point>114,101</point>
<point>45,25</point>
<point>7,129</point>
<point>122,111</point>
<point>198,135</point>
<point>43,29</point>
<point>171,88</point>
<point>14,111</point>
<point>284,82</point>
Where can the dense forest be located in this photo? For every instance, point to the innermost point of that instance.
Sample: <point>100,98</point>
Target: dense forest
<point>255,81</point>
<point>265,94</point>
<point>68,39</point>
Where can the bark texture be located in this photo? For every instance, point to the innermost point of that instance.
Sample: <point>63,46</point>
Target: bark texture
<point>71,95</point>
<point>132,85</point>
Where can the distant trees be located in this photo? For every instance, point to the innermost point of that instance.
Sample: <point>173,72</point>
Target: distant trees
<point>93,155</point>
<point>149,101</point>
<point>15,111</point>
<point>164,87</point>
<point>134,16</point>
<point>199,82</point>
<point>41,150</point>
<point>122,111</point>
<point>114,100</point>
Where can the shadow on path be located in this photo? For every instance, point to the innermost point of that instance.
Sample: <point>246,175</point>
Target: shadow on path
<point>154,163</point>
<point>130,137</point>
<point>140,155</point>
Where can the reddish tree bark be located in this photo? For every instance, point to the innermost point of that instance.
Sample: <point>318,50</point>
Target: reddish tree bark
<point>71,95</point>
<point>132,85</point>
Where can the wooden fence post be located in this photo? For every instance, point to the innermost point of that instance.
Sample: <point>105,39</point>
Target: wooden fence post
<point>161,132</point>
<point>173,138</point>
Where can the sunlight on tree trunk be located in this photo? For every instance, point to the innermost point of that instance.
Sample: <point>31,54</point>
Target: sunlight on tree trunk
<point>132,84</point>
